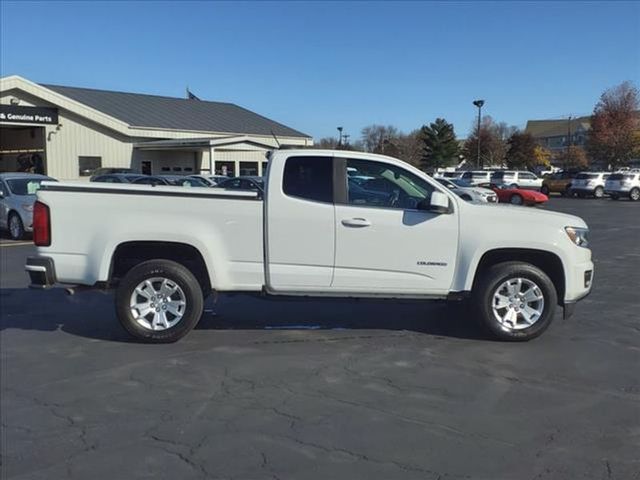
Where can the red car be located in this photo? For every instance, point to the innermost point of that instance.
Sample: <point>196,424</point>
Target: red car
<point>517,196</point>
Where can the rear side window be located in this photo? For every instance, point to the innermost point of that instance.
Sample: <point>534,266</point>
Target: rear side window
<point>586,176</point>
<point>618,176</point>
<point>310,178</point>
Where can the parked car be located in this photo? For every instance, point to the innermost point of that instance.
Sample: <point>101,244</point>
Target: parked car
<point>210,180</point>
<point>625,184</point>
<point>108,170</point>
<point>306,238</point>
<point>17,196</point>
<point>243,183</point>
<point>449,175</point>
<point>472,178</point>
<point>171,180</point>
<point>589,184</point>
<point>117,178</point>
<point>471,194</point>
<point>517,179</point>
<point>517,196</point>
<point>559,182</point>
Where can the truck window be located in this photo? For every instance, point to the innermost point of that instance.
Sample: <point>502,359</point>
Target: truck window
<point>385,185</point>
<point>310,178</point>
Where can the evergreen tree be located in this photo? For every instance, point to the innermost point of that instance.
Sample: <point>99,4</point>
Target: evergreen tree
<point>440,147</point>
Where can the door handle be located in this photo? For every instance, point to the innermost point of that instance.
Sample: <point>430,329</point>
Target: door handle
<point>356,222</point>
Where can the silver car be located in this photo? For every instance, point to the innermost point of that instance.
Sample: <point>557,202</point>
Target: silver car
<point>517,179</point>
<point>17,196</point>
<point>589,184</point>
<point>623,184</point>
<point>471,194</point>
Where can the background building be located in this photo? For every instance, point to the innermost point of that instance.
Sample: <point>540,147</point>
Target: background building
<point>557,135</point>
<point>68,132</point>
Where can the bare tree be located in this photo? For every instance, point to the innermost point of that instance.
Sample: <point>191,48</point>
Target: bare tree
<point>493,143</point>
<point>374,137</point>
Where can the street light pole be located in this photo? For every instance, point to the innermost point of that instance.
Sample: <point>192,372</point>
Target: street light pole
<point>479,104</point>
<point>340,138</point>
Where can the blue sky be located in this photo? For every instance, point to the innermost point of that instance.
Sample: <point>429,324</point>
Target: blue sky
<point>317,65</point>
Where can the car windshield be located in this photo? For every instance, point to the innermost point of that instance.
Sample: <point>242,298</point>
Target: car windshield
<point>446,183</point>
<point>622,176</point>
<point>586,176</point>
<point>25,186</point>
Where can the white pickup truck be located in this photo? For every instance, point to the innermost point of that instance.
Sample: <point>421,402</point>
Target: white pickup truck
<point>328,224</point>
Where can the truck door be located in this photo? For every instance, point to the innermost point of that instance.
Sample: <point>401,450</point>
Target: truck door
<point>300,224</point>
<point>384,242</point>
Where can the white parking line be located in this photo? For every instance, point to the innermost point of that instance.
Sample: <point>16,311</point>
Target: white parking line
<point>15,244</point>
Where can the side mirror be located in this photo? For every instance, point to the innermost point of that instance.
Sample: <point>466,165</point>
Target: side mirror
<point>439,203</point>
<point>1,194</point>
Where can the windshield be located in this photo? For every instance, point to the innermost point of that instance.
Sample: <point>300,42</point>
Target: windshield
<point>446,183</point>
<point>25,186</point>
<point>586,176</point>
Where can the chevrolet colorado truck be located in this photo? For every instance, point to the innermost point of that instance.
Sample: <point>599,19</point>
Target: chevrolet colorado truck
<point>328,224</point>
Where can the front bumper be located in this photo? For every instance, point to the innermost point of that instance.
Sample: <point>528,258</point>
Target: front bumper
<point>579,286</point>
<point>42,272</point>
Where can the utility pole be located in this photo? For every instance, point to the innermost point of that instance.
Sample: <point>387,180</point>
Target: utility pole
<point>346,139</point>
<point>569,136</point>
<point>340,137</point>
<point>479,104</point>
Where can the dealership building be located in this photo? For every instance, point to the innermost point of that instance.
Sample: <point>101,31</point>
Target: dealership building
<point>68,132</point>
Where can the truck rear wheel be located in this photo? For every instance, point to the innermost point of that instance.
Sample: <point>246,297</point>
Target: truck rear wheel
<point>515,301</point>
<point>159,301</point>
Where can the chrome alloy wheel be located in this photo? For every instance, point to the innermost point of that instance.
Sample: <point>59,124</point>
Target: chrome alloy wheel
<point>14,226</point>
<point>158,304</point>
<point>518,303</point>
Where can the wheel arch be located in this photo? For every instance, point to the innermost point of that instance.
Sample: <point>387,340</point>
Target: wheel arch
<point>548,262</point>
<point>129,254</point>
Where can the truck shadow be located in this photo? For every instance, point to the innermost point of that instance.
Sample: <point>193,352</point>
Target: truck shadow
<point>91,315</point>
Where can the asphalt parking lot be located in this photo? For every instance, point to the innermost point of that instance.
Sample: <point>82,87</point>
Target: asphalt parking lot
<point>269,389</point>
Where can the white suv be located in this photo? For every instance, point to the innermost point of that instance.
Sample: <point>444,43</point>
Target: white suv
<point>476,177</point>
<point>623,184</point>
<point>589,183</point>
<point>517,179</point>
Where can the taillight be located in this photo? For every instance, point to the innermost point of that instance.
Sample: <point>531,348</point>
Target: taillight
<point>41,225</point>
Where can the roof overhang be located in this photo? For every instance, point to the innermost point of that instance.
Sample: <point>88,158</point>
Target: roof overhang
<point>203,143</point>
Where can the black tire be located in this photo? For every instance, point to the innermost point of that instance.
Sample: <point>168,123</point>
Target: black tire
<point>492,279</point>
<point>598,192</point>
<point>15,226</point>
<point>544,190</point>
<point>516,199</point>
<point>567,191</point>
<point>178,275</point>
<point>634,194</point>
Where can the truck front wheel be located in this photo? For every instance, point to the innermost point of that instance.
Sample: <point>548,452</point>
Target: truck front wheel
<point>159,301</point>
<point>515,301</point>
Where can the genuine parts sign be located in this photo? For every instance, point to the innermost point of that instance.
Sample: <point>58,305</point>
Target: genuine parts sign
<point>39,115</point>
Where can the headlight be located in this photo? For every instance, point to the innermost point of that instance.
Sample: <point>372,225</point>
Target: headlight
<point>27,206</point>
<point>578,235</point>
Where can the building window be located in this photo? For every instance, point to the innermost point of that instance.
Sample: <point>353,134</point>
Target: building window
<point>87,165</point>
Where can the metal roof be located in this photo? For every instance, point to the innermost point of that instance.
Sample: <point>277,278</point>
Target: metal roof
<point>153,111</point>
<point>557,127</point>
